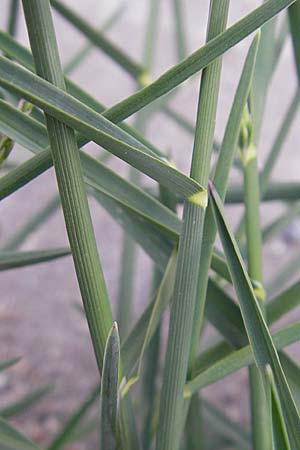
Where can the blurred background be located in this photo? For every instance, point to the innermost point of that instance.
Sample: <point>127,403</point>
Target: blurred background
<point>39,320</point>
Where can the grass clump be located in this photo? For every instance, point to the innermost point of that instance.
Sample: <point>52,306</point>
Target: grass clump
<point>142,404</point>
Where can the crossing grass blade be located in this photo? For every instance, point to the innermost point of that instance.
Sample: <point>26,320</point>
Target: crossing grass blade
<point>14,260</point>
<point>65,434</point>
<point>109,391</point>
<point>200,58</point>
<point>75,114</point>
<point>258,334</point>
<point>279,434</point>
<point>221,174</point>
<point>284,302</point>
<point>9,363</point>
<point>294,18</point>
<point>85,50</point>
<point>238,359</point>
<point>11,439</point>
<point>20,54</point>
<point>100,41</point>
<point>189,250</point>
<point>162,298</point>
<point>13,17</point>
<point>20,406</point>
<point>32,135</point>
<point>36,220</point>
<point>276,191</point>
<point>70,182</point>
<point>281,222</point>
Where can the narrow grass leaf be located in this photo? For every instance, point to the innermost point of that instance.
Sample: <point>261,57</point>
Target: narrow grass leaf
<point>14,260</point>
<point>294,18</point>
<point>188,263</point>
<point>70,181</point>
<point>162,298</point>
<point>109,391</point>
<point>284,302</point>
<point>259,336</point>
<point>75,114</point>
<point>279,433</point>
<point>100,41</point>
<point>21,54</point>
<point>22,405</point>
<point>222,169</point>
<point>68,430</point>
<point>11,439</point>
<point>9,363</point>
<point>237,360</point>
<point>200,58</point>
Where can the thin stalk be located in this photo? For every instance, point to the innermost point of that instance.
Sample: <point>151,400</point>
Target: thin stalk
<point>181,45</point>
<point>150,376</point>
<point>70,181</point>
<point>85,50</point>
<point>220,178</point>
<point>187,272</point>
<point>259,407</point>
<point>277,191</point>
<point>13,17</point>
<point>200,59</point>
<point>128,245</point>
<point>273,155</point>
<point>294,18</point>
<point>20,235</point>
<point>99,40</point>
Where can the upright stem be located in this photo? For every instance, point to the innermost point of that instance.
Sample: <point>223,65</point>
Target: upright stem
<point>259,406</point>
<point>13,17</point>
<point>187,272</point>
<point>70,181</point>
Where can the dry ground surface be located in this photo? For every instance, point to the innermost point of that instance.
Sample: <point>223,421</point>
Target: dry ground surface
<point>38,318</point>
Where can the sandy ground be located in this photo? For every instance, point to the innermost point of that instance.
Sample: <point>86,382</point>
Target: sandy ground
<point>38,317</point>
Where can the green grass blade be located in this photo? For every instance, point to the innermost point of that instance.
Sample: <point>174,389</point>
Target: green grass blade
<point>65,434</point>
<point>149,237</point>
<point>20,54</point>
<point>278,141</point>
<point>248,153</point>
<point>231,430</point>
<point>24,173</point>
<point>32,135</point>
<point>294,19</point>
<point>188,262</point>
<point>181,44</point>
<point>11,439</point>
<point>284,302</point>
<point>200,58</point>
<point>100,41</point>
<point>258,334</point>
<point>9,363</point>
<point>13,17</point>
<point>237,360</point>
<point>194,428</point>
<point>276,191</point>
<point>279,433</point>
<point>262,75</point>
<point>281,222</point>
<point>162,299</point>
<point>20,406</point>
<point>85,50</point>
<point>75,114</point>
<point>109,391</point>
<point>224,163</point>
<point>14,260</point>
<point>70,182</point>
<point>36,220</point>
